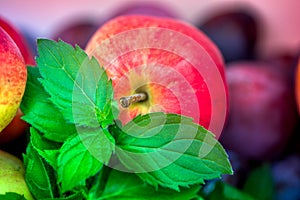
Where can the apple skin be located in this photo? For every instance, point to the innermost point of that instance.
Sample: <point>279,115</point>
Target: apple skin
<point>17,125</point>
<point>262,115</point>
<point>148,70</point>
<point>19,40</point>
<point>12,175</point>
<point>13,75</point>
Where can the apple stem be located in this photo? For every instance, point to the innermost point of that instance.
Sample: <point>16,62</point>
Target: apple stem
<point>127,101</point>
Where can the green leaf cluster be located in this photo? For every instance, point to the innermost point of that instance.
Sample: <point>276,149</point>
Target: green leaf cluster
<point>78,150</point>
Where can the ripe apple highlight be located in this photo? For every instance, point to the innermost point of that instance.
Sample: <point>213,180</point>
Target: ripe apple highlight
<point>13,76</point>
<point>160,64</point>
<point>12,175</point>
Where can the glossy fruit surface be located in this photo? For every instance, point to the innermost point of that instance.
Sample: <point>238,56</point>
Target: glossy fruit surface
<point>12,175</point>
<point>17,125</point>
<point>13,75</point>
<point>178,68</point>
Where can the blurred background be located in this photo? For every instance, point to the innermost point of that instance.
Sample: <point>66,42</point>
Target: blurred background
<point>260,43</point>
<point>279,21</point>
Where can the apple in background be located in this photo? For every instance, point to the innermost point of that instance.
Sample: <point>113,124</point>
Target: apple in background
<point>76,32</point>
<point>152,9</point>
<point>235,32</point>
<point>19,39</point>
<point>262,114</point>
<point>17,126</point>
<point>13,75</point>
<point>12,175</point>
<point>161,64</point>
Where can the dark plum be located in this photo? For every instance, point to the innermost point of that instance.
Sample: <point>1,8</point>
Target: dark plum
<point>76,32</point>
<point>153,9</point>
<point>234,32</point>
<point>262,114</point>
<point>286,62</point>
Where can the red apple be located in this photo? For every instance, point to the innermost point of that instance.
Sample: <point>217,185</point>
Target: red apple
<point>17,125</point>
<point>19,39</point>
<point>170,65</point>
<point>262,113</point>
<point>13,75</point>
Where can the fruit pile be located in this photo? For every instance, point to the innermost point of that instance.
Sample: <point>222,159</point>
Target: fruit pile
<point>145,106</point>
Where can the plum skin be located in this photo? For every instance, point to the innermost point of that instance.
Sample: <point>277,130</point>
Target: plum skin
<point>262,111</point>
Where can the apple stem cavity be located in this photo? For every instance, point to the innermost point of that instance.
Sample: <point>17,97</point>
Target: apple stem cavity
<point>127,101</point>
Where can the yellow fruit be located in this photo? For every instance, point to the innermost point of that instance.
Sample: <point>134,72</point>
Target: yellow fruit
<point>12,175</point>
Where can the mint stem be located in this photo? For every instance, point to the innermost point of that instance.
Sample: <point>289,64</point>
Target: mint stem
<point>127,101</point>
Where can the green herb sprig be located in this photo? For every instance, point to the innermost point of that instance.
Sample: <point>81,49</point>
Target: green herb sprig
<point>79,150</point>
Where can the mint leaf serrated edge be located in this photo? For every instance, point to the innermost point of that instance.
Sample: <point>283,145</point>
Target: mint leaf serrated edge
<point>39,176</point>
<point>47,149</point>
<point>75,164</point>
<point>39,111</point>
<point>181,153</point>
<point>83,90</point>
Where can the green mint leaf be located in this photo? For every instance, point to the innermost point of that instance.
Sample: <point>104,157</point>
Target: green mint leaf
<point>98,183</point>
<point>75,164</point>
<point>78,86</point>
<point>78,195</point>
<point>41,113</point>
<point>99,142</point>
<point>121,185</point>
<point>227,192</point>
<point>47,149</point>
<point>259,183</point>
<point>170,150</point>
<point>198,198</point>
<point>12,196</point>
<point>39,176</point>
